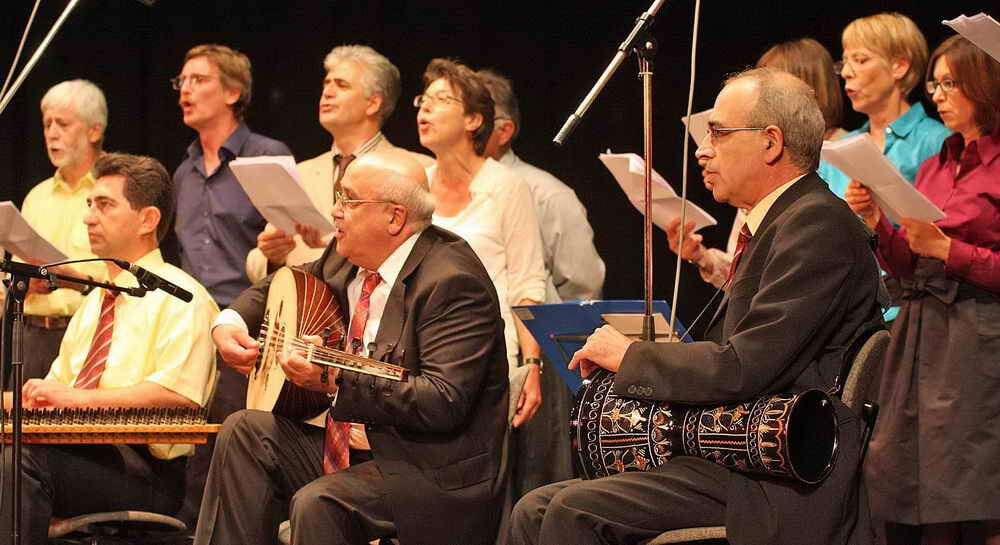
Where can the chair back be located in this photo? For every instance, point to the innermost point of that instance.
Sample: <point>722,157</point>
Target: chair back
<point>865,368</point>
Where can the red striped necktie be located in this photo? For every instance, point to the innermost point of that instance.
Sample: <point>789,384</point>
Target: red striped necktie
<point>100,347</point>
<point>741,244</point>
<point>337,441</point>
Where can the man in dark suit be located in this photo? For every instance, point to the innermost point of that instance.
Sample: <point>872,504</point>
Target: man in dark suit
<point>802,289</point>
<point>436,438</point>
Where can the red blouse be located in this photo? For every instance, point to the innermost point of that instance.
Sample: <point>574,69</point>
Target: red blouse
<point>971,203</point>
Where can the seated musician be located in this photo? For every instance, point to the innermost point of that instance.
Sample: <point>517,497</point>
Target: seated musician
<point>119,351</point>
<point>803,285</point>
<point>418,297</point>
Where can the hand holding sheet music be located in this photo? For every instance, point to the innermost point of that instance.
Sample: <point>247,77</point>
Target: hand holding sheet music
<point>274,188</point>
<point>859,158</point>
<point>629,169</point>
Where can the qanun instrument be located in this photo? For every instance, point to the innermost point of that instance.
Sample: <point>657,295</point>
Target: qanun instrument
<point>103,425</point>
<point>783,435</point>
<point>300,304</point>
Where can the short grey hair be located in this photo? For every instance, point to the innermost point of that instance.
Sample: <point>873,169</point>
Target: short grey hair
<point>84,97</point>
<point>788,103</point>
<point>380,75</point>
<point>502,91</point>
<point>402,190</point>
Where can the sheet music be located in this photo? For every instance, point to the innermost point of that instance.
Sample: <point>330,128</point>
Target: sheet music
<point>20,239</point>
<point>698,127</point>
<point>629,170</point>
<point>980,29</point>
<point>860,158</point>
<point>275,189</point>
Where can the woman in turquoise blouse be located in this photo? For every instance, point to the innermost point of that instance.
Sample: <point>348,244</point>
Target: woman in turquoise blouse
<point>885,56</point>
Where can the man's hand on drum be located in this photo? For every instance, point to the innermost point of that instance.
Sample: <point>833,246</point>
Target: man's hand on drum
<point>604,348</point>
<point>238,349</point>
<point>307,375</point>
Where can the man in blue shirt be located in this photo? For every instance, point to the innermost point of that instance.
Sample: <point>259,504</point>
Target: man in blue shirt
<point>216,224</point>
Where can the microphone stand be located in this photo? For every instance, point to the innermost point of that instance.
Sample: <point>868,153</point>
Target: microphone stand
<point>639,42</point>
<point>13,337</point>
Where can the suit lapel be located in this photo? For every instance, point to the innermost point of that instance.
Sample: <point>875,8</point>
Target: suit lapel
<point>391,325</point>
<point>337,273</point>
<point>807,184</point>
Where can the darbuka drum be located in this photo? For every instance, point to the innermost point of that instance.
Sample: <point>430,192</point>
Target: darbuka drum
<point>298,304</point>
<point>783,435</point>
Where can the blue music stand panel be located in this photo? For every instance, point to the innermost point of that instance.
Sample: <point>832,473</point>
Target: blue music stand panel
<point>562,328</point>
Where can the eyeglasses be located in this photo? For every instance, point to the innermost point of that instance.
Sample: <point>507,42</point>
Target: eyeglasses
<point>853,64</point>
<point>420,100</point>
<point>715,132</point>
<point>195,80</point>
<point>946,85</point>
<point>339,198</point>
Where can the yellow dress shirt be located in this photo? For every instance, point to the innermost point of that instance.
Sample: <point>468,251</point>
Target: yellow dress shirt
<point>157,338</point>
<point>56,211</point>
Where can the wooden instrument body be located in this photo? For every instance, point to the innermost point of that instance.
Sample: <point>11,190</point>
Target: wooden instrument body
<point>298,304</point>
<point>784,435</point>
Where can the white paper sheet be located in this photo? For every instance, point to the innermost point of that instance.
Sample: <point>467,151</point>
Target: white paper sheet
<point>629,169</point>
<point>980,29</point>
<point>698,127</point>
<point>275,189</point>
<point>17,237</point>
<point>860,158</point>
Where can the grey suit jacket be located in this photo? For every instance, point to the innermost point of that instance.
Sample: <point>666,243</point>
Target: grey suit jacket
<point>438,437</point>
<point>805,288</point>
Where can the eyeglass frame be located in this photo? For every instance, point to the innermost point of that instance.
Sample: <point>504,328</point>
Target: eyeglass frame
<point>177,82</point>
<point>932,85</point>
<point>419,100</point>
<point>838,66</point>
<point>715,132</point>
<point>338,198</point>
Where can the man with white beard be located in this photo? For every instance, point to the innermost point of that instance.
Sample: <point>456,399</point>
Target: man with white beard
<point>74,117</point>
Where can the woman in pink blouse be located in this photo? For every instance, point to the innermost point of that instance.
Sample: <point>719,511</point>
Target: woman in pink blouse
<point>932,464</point>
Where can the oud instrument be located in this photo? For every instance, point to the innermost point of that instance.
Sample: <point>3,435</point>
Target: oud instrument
<point>300,304</point>
<point>103,425</point>
<point>783,435</point>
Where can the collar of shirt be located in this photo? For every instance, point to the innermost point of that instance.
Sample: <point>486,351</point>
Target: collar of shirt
<point>363,148</point>
<point>229,150</point>
<point>389,271</point>
<point>482,182</point>
<point>87,182</point>
<point>987,147</point>
<point>509,159</point>
<point>756,214</point>
<point>902,126</point>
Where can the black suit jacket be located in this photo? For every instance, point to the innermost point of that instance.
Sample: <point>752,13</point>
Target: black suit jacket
<point>805,288</point>
<point>438,437</point>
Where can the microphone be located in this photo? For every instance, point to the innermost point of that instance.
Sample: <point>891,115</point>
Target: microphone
<point>151,281</point>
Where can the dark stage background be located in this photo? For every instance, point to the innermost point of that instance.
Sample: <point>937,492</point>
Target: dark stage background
<point>553,50</point>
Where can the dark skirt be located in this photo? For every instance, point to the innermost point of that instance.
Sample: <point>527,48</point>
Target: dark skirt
<point>936,447</point>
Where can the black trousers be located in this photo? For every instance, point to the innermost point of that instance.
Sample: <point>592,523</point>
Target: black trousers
<point>623,508</point>
<point>66,481</point>
<point>267,469</point>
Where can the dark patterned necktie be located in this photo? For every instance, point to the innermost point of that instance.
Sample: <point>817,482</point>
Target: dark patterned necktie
<point>337,442</point>
<point>340,161</point>
<point>100,347</point>
<point>741,244</point>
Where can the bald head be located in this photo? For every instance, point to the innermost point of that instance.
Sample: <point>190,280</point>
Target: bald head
<point>787,102</point>
<point>394,175</point>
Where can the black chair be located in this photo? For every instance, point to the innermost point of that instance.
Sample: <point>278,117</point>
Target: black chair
<point>854,384</point>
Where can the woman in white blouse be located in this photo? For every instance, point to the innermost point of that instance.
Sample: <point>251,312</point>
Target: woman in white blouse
<point>485,203</point>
